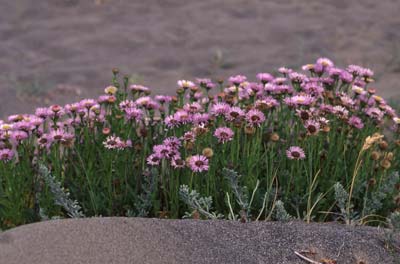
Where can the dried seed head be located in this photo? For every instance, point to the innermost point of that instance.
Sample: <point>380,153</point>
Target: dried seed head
<point>375,155</point>
<point>326,129</point>
<point>208,152</point>
<point>390,156</point>
<point>371,182</point>
<point>188,145</point>
<point>274,137</point>
<point>115,70</point>
<point>111,90</point>
<point>383,145</point>
<point>385,164</point>
<point>249,130</point>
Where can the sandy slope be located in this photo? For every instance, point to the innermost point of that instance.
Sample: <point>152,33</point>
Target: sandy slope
<point>138,240</point>
<point>66,48</point>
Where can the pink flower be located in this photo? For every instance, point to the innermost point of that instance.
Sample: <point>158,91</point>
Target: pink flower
<point>312,127</point>
<point>224,134</point>
<point>255,117</point>
<point>177,163</point>
<point>6,154</point>
<point>127,104</point>
<point>138,88</point>
<point>264,77</point>
<point>43,112</point>
<point>189,136</point>
<point>135,114</point>
<point>220,109</point>
<point>295,153</point>
<point>206,83</point>
<point>171,121</point>
<point>163,151</point>
<point>297,77</point>
<point>88,103</point>
<point>153,160</point>
<point>237,79</point>
<point>192,107</point>
<point>198,163</point>
<point>19,135</point>
<point>235,112</point>
<point>199,119</point>
<point>299,100</point>
<point>340,111</point>
<point>172,142</point>
<point>356,122</point>
<point>285,71</point>
<point>374,113</point>
<point>267,103</point>
<point>185,84</point>
<point>113,142</point>
<point>162,99</point>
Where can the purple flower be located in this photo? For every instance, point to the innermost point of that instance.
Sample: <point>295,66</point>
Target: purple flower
<point>220,109</point>
<point>237,79</point>
<point>6,154</point>
<point>297,77</point>
<point>177,163</point>
<point>185,84</point>
<point>235,112</point>
<point>312,88</point>
<point>189,136</point>
<point>295,153</point>
<point>127,104</point>
<point>139,88</point>
<point>299,100</point>
<point>172,142</point>
<point>113,142</point>
<point>198,163</point>
<point>171,121</point>
<point>193,107</point>
<point>322,65</point>
<point>153,160</point>
<point>88,103</point>
<point>266,103</point>
<point>265,77</point>
<point>312,127</point>
<point>224,134</point>
<point>198,119</point>
<point>162,151</point>
<point>19,135</point>
<point>134,114</point>
<point>374,113</point>
<point>206,83</point>
<point>162,99</point>
<point>356,122</point>
<point>360,71</point>
<point>346,77</point>
<point>43,112</point>
<point>340,111</point>
<point>255,117</point>
<point>285,71</point>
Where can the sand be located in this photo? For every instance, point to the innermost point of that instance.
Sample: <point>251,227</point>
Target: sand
<point>138,240</point>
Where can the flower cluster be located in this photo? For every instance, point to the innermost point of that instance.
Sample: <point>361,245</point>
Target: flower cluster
<point>302,123</point>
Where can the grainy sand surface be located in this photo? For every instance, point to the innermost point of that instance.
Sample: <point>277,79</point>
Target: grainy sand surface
<point>138,240</point>
<point>57,51</point>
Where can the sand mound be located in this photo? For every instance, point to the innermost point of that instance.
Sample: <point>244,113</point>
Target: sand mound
<point>137,240</point>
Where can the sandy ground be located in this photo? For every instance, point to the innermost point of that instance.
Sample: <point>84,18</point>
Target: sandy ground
<point>57,51</point>
<point>136,240</point>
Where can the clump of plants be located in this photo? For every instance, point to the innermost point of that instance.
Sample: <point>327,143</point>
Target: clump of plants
<point>318,145</point>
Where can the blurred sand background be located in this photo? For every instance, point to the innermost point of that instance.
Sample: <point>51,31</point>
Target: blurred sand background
<point>59,51</point>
